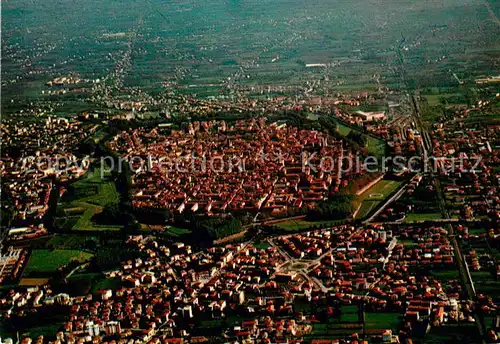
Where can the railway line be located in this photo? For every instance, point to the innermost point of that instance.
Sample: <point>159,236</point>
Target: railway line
<point>427,152</point>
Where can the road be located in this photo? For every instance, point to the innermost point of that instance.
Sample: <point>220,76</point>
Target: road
<point>395,197</point>
<point>392,244</point>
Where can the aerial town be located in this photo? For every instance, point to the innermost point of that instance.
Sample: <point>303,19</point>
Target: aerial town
<point>269,160</point>
<point>249,172</point>
<point>409,267</point>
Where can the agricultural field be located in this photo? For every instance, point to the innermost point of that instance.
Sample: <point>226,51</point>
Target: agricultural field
<point>382,189</point>
<point>445,96</point>
<point>85,199</point>
<point>46,262</point>
<point>262,47</point>
<point>373,197</point>
<point>485,283</point>
<point>366,208</point>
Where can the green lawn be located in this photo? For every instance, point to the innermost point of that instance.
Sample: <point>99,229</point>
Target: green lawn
<point>86,198</point>
<point>177,232</point>
<point>106,283</point>
<point>380,191</point>
<point>446,274</point>
<point>343,129</point>
<point>374,196</point>
<point>262,245</point>
<point>366,208</point>
<point>382,320</point>
<point>96,281</point>
<point>211,323</point>
<point>477,231</point>
<point>446,98</point>
<point>416,217</point>
<point>462,333</point>
<point>47,261</point>
<point>94,188</point>
<point>350,314</point>
<point>330,331</point>
<point>298,225</point>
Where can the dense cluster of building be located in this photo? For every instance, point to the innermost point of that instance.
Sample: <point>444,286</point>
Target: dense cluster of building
<point>12,264</point>
<point>37,153</point>
<point>468,160</point>
<point>213,167</point>
<point>255,293</point>
<point>251,292</point>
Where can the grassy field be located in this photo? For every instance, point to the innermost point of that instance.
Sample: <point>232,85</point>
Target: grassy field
<point>96,281</point>
<point>374,196</point>
<point>343,129</point>
<point>86,198</point>
<point>330,331</point>
<point>262,245</point>
<point>47,261</point>
<point>477,231</point>
<point>374,146</point>
<point>366,208</point>
<point>417,217</point>
<point>106,283</point>
<point>485,283</point>
<point>382,320</point>
<point>298,225</point>
<point>48,331</point>
<point>445,274</point>
<point>177,232</point>
<point>381,190</point>
<point>440,98</point>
